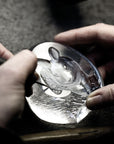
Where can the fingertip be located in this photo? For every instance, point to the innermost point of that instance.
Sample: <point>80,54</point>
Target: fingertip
<point>101,98</point>
<point>65,37</point>
<point>59,37</point>
<point>5,53</point>
<point>29,53</point>
<point>94,102</point>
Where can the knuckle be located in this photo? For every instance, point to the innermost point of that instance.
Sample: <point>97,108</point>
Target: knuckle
<point>100,24</point>
<point>99,28</point>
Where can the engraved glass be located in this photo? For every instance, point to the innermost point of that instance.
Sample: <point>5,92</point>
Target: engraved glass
<point>66,77</point>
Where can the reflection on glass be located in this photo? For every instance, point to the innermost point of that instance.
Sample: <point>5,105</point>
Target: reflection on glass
<point>63,73</point>
<point>67,77</point>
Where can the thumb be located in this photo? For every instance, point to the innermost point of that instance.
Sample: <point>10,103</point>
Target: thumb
<point>101,98</point>
<point>20,66</point>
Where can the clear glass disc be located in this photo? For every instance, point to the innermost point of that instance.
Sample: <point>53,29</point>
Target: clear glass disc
<point>66,77</point>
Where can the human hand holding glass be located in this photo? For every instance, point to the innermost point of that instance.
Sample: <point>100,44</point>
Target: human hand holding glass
<point>13,76</point>
<point>102,37</point>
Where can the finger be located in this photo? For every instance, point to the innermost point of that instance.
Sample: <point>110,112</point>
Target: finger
<point>21,65</point>
<point>101,98</point>
<point>107,69</point>
<point>87,35</point>
<point>5,53</point>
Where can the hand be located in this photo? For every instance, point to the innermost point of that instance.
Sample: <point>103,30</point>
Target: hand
<point>13,76</point>
<point>101,36</point>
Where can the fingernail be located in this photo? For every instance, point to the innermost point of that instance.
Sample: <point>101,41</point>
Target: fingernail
<point>94,102</point>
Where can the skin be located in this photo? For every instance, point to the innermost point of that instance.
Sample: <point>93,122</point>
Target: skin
<point>101,39</point>
<point>13,76</point>
<point>18,70</point>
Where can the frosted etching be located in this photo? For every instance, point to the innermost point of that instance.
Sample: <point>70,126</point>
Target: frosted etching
<point>66,78</point>
<point>63,73</point>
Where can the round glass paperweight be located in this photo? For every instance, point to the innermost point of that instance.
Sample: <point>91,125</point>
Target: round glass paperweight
<point>66,77</point>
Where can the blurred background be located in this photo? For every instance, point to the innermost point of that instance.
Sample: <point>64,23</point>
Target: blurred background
<point>26,23</point>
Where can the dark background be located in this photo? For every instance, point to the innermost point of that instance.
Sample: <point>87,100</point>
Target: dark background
<point>25,23</point>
